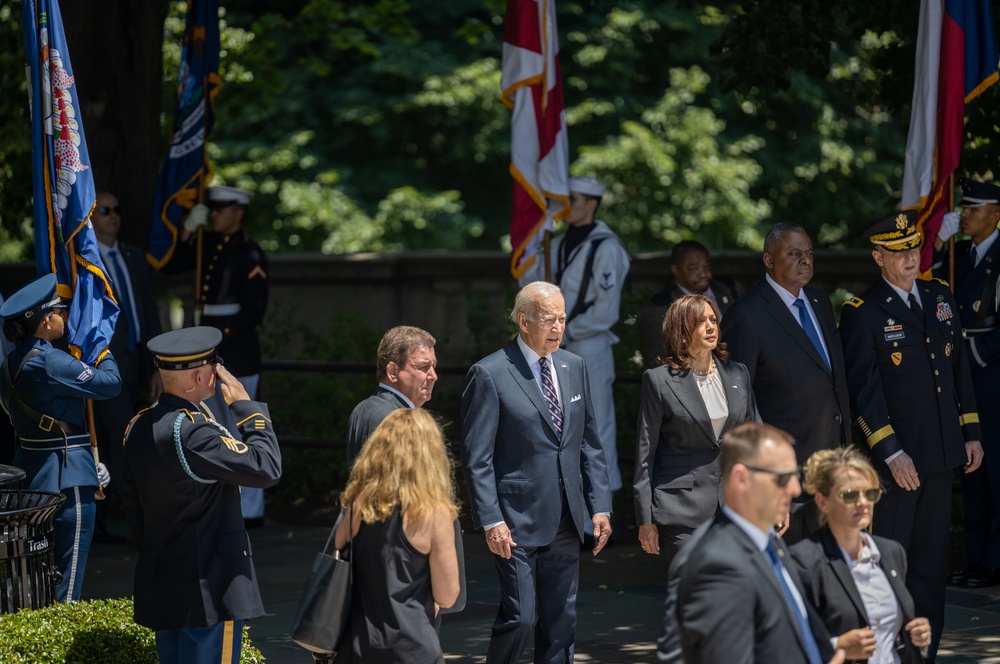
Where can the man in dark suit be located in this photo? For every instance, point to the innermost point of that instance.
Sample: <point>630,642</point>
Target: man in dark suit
<point>784,331</point>
<point>912,393</point>
<point>195,582</point>
<point>691,266</point>
<point>977,278</point>
<point>537,476</point>
<point>737,601</point>
<point>139,321</point>
<point>405,365</point>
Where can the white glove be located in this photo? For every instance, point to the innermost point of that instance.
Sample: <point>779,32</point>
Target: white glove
<point>949,225</point>
<point>103,476</point>
<point>198,216</point>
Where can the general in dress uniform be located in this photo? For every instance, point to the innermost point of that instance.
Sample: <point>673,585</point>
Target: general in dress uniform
<point>912,394</point>
<point>195,582</point>
<point>43,389</point>
<point>233,296</point>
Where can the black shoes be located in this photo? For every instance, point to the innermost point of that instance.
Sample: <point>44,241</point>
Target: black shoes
<point>253,522</point>
<point>985,577</point>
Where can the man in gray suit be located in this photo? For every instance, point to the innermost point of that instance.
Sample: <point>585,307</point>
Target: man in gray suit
<point>537,476</point>
<point>405,367</point>
<point>736,599</point>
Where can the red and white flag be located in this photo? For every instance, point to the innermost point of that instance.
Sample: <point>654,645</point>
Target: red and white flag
<point>539,148</point>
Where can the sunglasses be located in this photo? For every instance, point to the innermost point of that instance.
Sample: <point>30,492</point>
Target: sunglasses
<point>781,479</point>
<point>851,496</point>
<point>105,210</point>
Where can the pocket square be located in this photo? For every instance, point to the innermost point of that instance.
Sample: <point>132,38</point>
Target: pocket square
<point>576,398</point>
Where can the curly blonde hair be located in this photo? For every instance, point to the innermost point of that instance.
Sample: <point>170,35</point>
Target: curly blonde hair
<point>822,468</point>
<point>404,464</point>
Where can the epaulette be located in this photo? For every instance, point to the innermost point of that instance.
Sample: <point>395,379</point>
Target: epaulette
<point>854,302</point>
<point>940,281</point>
<point>128,429</point>
<point>192,414</point>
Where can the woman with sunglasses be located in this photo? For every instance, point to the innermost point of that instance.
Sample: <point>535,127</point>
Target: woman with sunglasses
<point>856,580</point>
<point>687,404</point>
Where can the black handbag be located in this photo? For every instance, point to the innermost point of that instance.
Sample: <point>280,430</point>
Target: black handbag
<point>324,611</point>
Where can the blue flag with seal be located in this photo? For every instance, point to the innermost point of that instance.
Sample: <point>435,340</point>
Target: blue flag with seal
<point>185,170</point>
<point>63,185</point>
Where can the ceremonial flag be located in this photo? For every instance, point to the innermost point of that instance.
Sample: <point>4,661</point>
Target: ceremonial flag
<point>185,169</point>
<point>956,60</point>
<point>539,148</point>
<point>63,185</point>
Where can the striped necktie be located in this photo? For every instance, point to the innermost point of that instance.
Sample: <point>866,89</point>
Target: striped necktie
<point>549,393</point>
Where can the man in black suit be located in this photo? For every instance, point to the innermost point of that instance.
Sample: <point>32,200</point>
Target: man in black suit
<point>977,278</point>
<point>691,266</point>
<point>784,331</point>
<point>405,366</point>
<point>139,321</point>
<point>912,393</point>
<point>737,600</point>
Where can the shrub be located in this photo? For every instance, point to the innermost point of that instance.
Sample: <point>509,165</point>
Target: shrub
<point>92,632</point>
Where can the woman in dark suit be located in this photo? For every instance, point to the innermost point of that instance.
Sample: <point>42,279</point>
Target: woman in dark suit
<point>687,404</point>
<point>856,580</point>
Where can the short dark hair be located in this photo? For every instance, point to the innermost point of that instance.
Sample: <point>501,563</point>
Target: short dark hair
<point>685,247</point>
<point>742,443</point>
<point>776,235</point>
<point>396,345</point>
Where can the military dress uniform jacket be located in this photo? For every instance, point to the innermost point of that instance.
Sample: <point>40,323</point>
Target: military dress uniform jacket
<point>182,500</point>
<point>234,292</point>
<point>54,384</point>
<point>909,379</point>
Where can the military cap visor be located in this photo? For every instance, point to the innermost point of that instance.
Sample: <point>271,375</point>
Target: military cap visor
<point>35,298</point>
<point>895,232</point>
<point>189,348</point>
<point>978,194</point>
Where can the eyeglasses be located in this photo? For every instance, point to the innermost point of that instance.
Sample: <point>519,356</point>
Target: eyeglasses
<point>105,210</point>
<point>781,479</point>
<point>851,496</point>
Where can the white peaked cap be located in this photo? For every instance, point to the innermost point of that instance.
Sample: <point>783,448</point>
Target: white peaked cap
<point>586,185</point>
<point>226,194</point>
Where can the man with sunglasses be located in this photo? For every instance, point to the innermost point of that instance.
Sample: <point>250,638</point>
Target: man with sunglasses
<point>138,322</point>
<point>735,593</point>
<point>912,393</point>
<point>233,297</point>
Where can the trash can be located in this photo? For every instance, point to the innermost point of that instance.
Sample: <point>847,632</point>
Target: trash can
<point>9,474</point>
<point>28,574</point>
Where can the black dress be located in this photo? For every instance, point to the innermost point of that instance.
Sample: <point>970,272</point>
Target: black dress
<point>392,605</point>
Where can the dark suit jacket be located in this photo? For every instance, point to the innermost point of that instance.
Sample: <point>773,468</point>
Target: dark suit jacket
<point>676,479</point>
<point>366,417</point>
<point>651,316</point>
<point>794,389</point>
<point>830,587</point>
<point>516,467</point>
<point>731,609</point>
<point>136,366</point>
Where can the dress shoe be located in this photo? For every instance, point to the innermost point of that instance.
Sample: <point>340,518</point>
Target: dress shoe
<point>103,536</point>
<point>253,522</point>
<point>987,577</point>
<point>961,576</point>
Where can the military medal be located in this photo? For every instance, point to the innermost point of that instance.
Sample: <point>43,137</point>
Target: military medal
<point>944,311</point>
<point>893,330</point>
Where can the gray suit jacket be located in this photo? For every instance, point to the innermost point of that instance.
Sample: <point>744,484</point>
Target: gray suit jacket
<point>516,467</point>
<point>676,479</point>
<point>795,390</point>
<point>731,609</point>
<point>366,417</point>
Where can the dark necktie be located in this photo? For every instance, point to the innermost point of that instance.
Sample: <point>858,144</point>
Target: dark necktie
<point>121,285</point>
<point>812,650</point>
<point>973,257</point>
<point>806,320</point>
<point>549,393</point>
<point>915,308</point>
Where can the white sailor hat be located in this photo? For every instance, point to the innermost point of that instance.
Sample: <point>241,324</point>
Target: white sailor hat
<point>586,185</point>
<point>230,195</point>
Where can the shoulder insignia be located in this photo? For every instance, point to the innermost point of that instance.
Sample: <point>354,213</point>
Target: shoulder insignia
<point>259,421</point>
<point>237,446</point>
<point>940,281</point>
<point>854,302</point>
<point>128,429</point>
<point>193,415</point>
<point>257,272</point>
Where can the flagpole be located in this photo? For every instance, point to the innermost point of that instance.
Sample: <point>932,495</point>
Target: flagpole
<point>196,315</point>
<point>951,240</point>
<point>88,404</point>
<point>546,243</point>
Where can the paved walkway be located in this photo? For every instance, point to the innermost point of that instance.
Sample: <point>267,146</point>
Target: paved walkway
<point>620,603</point>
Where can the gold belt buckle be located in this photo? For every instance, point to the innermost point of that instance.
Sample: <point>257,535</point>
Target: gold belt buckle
<point>46,423</point>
